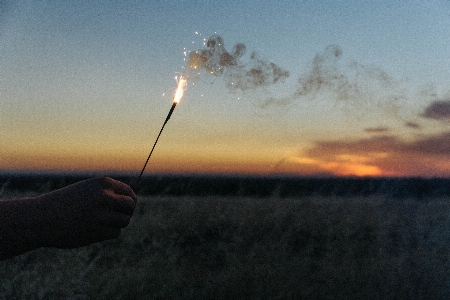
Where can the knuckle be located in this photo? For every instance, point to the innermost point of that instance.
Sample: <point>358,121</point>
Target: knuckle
<point>104,181</point>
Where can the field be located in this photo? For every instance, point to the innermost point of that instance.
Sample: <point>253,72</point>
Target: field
<point>248,247</point>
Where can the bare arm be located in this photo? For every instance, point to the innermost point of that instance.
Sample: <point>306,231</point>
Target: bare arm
<point>86,212</point>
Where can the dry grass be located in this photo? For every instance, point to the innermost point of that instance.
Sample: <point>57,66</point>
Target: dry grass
<point>246,248</point>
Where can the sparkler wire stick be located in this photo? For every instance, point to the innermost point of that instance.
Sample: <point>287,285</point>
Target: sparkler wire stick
<point>148,158</point>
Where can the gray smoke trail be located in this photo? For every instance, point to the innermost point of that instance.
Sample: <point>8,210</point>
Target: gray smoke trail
<point>356,87</point>
<point>216,60</point>
<point>353,84</point>
<point>324,74</point>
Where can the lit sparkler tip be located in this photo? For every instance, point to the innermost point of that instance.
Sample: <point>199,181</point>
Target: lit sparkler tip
<point>182,86</point>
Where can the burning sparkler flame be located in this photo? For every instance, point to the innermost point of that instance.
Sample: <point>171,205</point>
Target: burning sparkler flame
<point>182,86</point>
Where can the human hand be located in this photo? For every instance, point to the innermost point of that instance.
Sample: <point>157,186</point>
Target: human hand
<point>86,212</point>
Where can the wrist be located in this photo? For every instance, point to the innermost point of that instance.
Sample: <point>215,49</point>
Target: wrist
<point>22,226</point>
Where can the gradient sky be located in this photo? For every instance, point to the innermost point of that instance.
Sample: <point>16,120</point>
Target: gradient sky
<point>82,83</point>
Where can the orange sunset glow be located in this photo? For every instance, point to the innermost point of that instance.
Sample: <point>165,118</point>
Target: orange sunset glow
<point>399,159</point>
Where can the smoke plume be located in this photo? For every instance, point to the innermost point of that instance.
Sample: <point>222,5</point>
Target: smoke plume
<point>353,84</point>
<point>216,60</point>
<point>350,84</point>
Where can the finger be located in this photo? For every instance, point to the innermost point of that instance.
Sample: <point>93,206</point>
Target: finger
<point>119,203</point>
<point>121,188</point>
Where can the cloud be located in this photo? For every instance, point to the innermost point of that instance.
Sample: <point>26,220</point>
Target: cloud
<point>431,145</point>
<point>385,155</point>
<point>413,125</point>
<point>378,130</point>
<point>438,110</point>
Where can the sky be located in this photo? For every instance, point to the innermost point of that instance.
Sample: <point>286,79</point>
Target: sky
<point>346,88</point>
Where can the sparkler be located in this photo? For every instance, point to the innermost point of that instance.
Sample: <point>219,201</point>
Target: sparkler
<point>176,98</point>
<point>215,60</point>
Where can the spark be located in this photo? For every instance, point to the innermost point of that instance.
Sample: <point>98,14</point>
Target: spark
<point>182,86</point>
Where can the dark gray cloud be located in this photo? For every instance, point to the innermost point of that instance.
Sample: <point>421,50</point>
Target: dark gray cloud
<point>438,144</point>
<point>413,125</point>
<point>438,110</point>
<point>356,147</point>
<point>431,145</point>
<point>380,129</point>
<point>386,154</point>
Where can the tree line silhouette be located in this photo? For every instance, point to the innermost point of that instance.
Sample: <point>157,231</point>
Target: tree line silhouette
<point>246,186</point>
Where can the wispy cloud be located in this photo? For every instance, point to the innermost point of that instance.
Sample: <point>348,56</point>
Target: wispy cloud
<point>380,129</point>
<point>413,125</point>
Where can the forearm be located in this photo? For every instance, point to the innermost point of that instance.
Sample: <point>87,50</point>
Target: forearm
<point>20,226</point>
